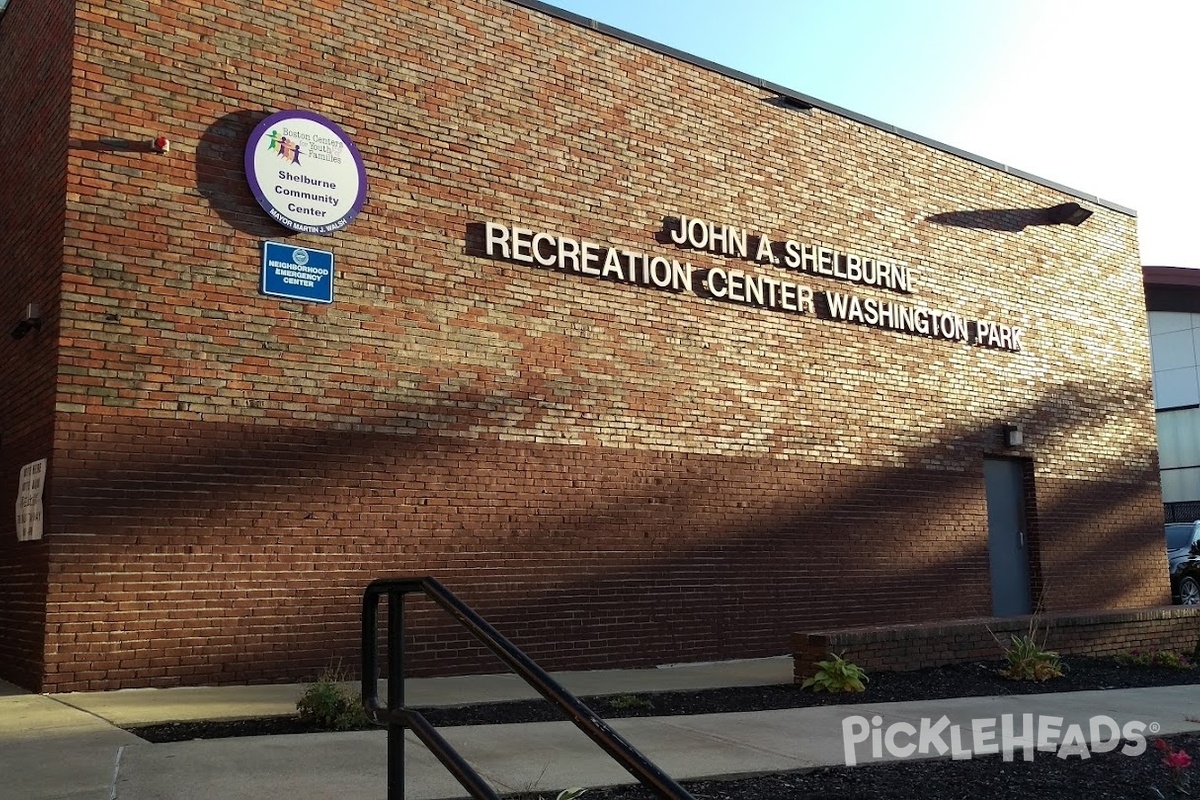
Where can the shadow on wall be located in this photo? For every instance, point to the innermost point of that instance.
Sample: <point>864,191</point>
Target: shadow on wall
<point>221,177</point>
<point>555,535</point>
<point>112,144</point>
<point>1013,220</point>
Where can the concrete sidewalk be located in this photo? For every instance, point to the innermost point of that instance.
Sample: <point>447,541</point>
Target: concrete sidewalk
<point>67,746</point>
<point>145,706</point>
<point>52,751</point>
<point>62,751</point>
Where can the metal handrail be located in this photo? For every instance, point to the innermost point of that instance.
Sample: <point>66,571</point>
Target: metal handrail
<point>397,717</point>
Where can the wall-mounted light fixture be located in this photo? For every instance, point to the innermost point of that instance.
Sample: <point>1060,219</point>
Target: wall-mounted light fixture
<point>1013,436</point>
<point>160,144</point>
<point>30,322</point>
<point>1068,214</point>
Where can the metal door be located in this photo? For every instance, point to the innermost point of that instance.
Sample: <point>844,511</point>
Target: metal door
<point>1008,551</point>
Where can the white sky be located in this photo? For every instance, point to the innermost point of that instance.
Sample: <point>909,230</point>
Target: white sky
<point>1098,96</point>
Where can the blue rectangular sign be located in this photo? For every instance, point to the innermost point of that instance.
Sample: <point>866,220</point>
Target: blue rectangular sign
<point>298,273</point>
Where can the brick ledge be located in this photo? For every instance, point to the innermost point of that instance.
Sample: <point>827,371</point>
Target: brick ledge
<point>930,644</point>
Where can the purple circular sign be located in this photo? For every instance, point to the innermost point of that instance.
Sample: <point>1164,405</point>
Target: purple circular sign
<point>305,172</point>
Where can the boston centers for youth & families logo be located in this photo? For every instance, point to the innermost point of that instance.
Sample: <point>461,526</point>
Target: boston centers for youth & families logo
<point>305,172</point>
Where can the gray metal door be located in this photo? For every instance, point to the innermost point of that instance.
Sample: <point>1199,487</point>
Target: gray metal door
<point>1007,543</point>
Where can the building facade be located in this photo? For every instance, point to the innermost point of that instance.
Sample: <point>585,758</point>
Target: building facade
<point>1173,305</point>
<point>648,360</point>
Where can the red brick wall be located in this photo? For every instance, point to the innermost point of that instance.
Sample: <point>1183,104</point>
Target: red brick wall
<point>613,474</point>
<point>35,74</point>
<point>576,554</point>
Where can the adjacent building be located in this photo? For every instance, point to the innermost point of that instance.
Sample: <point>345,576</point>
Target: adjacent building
<point>1173,303</point>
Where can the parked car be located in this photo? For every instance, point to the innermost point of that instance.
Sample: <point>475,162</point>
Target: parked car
<point>1183,559</point>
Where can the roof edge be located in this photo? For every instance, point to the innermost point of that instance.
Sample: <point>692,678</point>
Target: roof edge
<point>1171,276</point>
<point>712,66</point>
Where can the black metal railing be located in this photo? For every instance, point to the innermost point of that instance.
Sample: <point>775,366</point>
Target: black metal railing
<point>397,717</point>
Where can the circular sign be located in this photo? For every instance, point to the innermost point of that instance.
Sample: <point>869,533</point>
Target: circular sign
<point>305,172</point>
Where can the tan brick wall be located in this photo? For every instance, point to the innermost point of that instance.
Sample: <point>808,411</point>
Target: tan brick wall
<point>615,474</point>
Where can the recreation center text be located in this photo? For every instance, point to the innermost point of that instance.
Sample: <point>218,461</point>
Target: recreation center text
<point>727,284</point>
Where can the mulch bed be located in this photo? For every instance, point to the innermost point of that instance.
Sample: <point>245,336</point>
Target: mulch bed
<point>1105,776</point>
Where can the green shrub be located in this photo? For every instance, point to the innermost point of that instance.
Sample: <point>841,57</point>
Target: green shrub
<point>328,704</point>
<point>836,674</point>
<point>1027,660</point>
<point>1155,658</point>
<point>629,702</point>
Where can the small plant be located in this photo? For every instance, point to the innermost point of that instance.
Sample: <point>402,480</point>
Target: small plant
<point>1155,658</point>
<point>1027,660</point>
<point>629,702</point>
<point>836,674</point>
<point>1026,657</point>
<point>1171,660</point>
<point>328,704</point>
<point>566,794</point>
<point>1179,763</point>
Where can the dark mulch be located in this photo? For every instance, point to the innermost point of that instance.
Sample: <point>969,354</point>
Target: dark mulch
<point>1102,776</point>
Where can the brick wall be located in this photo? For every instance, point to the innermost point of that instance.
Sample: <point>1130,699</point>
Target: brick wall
<point>905,647</point>
<point>613,473</point>
<point>35,74</point>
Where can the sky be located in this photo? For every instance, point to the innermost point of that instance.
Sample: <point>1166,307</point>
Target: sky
<point>1099,96</point>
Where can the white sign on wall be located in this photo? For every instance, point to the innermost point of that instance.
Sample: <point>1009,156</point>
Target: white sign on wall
<point>305,172</point>
<point>29,501</point>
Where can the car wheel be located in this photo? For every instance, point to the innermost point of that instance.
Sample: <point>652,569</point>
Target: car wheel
<point>1189,592</point>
